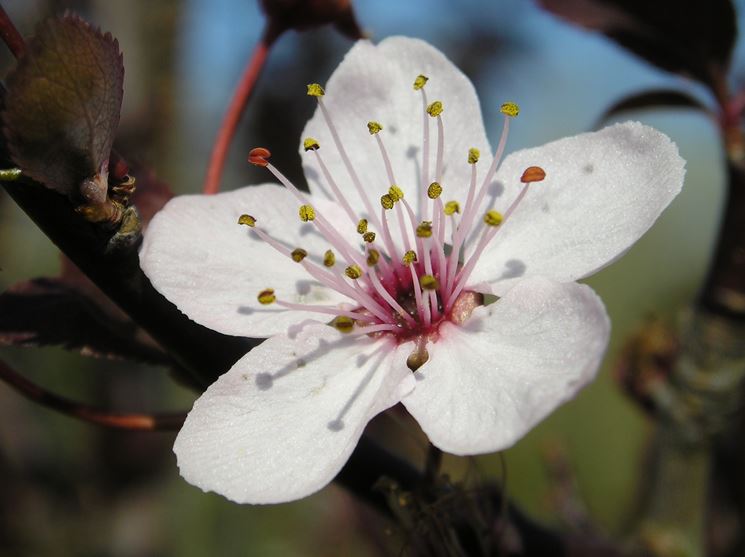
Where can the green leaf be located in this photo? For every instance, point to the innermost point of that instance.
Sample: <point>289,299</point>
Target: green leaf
<point>63,103</point>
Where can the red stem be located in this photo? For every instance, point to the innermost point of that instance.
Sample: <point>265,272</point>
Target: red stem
<point>134,422</point>
<point>235,111</point>
<point>10,35</point>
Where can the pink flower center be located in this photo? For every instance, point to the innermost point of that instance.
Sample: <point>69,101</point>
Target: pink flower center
<point>403,279</point>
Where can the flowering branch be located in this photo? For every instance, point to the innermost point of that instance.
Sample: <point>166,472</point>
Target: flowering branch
<point>87,413</point>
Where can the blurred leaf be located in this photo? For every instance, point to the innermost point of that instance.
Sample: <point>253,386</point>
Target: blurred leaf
<point>48,311</point>
<point>692,38</point>
<point>653,100</point>
<point>63,102</point>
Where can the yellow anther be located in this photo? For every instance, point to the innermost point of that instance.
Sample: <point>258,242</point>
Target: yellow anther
<point>409,257</point>
<point>369,237</point>
<point>428,282</point>
<point>298,254</point>
<point>420,81</point>
<point>396,193</point>
<point>362,226</point>
<point>315,90</point>
<point>353,271</point>
<point>473,155</point>
<point>373,256</point>
<point>342,323</point>
<point>510,109</point>
<point>424,230</point>
<point>310,144</point>
<point>266,297</point>
<point>386,201</point>
<point>435,109</point>
<point>329,259</point>
<point>434,190</point>
<point>452,207</point>
<point>248,220</point>
<point>306,213</point>
<point>493,218</point>
<point>533,174</point>
<point>374,127</point>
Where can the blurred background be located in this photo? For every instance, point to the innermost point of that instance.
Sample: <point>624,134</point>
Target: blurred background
<point>70,488</point>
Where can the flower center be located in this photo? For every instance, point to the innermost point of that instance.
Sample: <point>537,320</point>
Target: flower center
<point>404,273</point>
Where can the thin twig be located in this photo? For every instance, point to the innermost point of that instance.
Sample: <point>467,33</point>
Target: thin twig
<point>132,422</point>
<point>237,106</point>
<point>10,35</point>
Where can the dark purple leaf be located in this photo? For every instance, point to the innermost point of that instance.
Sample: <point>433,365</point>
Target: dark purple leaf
<point>63,102</point>
<point>658,99</point>
<point>46,311</point>
<point>681,36</point>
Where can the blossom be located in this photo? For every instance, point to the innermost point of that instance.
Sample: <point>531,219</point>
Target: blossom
<point>371,287</point>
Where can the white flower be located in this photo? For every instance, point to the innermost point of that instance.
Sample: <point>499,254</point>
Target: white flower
<point>282,422</point>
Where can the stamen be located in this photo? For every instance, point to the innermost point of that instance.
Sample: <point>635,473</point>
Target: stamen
<point>353,271</point>
<point>429,282</point>
<point>344,157</point>
<point>315,90</point>
<point>435,109</point>
<point>362,226</point>
<point>420,81</point>
<point>409,258</point>
<point>425,145</point>
<point>259,156</point>
<point>307,213</point>
<point>424,230</point>
<point>266,296</point>
<point>434,190</point>
<point>343,324</point>
<point>452,207</point>
<point>298,254</point>
<point>373,256</point>
<point>247,220</point>
<point>493,218</point>
<point>533,174</point>
<point>369,237</point>
<point>310,144</point>
<point>329,259</point>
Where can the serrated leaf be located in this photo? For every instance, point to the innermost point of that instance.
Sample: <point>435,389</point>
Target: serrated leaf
<point>656,99</point>
<point>691,38</point>
<point>45,311</point>
<point>63,102</point>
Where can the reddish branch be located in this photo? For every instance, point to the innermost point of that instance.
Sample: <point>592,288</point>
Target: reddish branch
<point>132,422</point>
<point>10,35</point>
<point>235,111</point>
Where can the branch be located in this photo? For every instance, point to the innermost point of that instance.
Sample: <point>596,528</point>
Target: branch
<point>86,413</point>
<point>206,354</point>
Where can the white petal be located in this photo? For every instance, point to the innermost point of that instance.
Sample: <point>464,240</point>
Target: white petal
<point>283,421</point>
<point>376,83</point>
<point>513,362</point>
<point>197,255</point>
<point>602,191</point>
